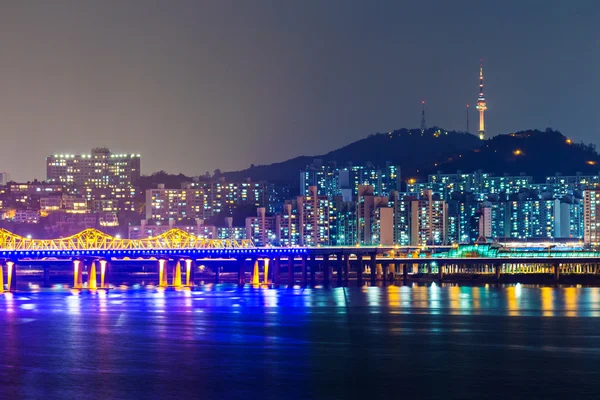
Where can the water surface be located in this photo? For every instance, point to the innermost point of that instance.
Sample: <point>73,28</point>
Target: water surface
<point>224,342</point>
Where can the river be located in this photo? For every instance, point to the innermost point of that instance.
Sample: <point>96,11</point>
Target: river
<point>221,342</point>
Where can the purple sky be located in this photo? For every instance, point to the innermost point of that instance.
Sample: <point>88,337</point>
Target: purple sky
<point>196,85</point>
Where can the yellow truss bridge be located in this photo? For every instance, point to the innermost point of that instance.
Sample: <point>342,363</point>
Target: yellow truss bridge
<point>93,239</point>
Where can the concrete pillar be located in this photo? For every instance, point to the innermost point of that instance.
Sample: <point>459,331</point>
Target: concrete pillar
<point>266,268</point>
<point>326,271</point>
<point>189,272</point>
<point>392,271</point>
<point>556,273</point>
<point>276,269</point>
<point>405,274</point>
<point>359,270</point>
<point>304,270</point>
<point>373,263</point>
<point>346,267</point>
<point>339,263</point>
<point>46,276</point>
<point>241,271</point>
<point>429,270</point>
<point>441,272</point>
<point>176,278</point>
<point>255,274</point>
<point>384,271</point>
<point>162,272</point>
<point>92,279</point>
<point>103,274</point>
<point>77,274</point>
<point>497,268</point>
<point>11,276</point>
<point>291,271</point>
<point>313,267</point>
<point>1,279</point>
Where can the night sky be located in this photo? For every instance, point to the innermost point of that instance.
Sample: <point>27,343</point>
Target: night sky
<point>194,85</point>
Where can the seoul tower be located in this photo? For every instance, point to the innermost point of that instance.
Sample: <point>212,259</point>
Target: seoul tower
<point>481,105</point>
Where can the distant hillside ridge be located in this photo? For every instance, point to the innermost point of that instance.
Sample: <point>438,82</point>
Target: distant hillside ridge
<point>411,149</point>
<point>531,152</point>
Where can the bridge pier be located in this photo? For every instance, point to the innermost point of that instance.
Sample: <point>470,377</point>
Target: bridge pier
<point>104,274</point>
<point>304,270</point>
<point>373,263</point>
<point>346,267</point>
<point>1,279</point>
<point>46,275</point>
<point>189,272</point>
<point>162,272</point>
<point>11,276</point>
<point>340,261</point>
<point>556,273</point>
<point>313,265</point>
<point>392,272</point>
<point>92,278</point>
<point>77,274</point>
<point>255,274</point>
<point>326,271</point>
<point>497,270</point>
<point>440,272</point>
<point>405,274</point>
<point>266,262</point>
<point>359,270</point>
<point>241,271</point>
<point>276,269</point>
<point>291,279</point>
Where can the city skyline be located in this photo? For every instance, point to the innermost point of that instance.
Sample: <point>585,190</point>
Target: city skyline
<point>154,83</point>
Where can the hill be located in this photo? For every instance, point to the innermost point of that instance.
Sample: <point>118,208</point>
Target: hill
<point>413,150</point>
<point>532,152</point>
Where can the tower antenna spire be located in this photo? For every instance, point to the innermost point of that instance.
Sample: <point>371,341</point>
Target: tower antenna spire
<point>481,103</point>
<point>423,124</point>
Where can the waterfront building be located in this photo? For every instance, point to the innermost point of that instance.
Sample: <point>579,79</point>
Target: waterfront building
<point>178,204</point>
<point>231,232</point>
<point>428,220</point>
<point>313,217</point>
<point>367,204</point>
<point>343,222</point>
<point>262,229</point>
<point>591,216</point>
<point>288,230</point>
<point>83,174</point>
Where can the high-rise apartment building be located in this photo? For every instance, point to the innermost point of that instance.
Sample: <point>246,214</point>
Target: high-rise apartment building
<point>313,216</point>
<point>98,176</point>
<point>591,217</point>
<point>288,231</point>
<point>428,220</point>
<point>177,204</point>
<point>99,169</point>
<point>262,229</point>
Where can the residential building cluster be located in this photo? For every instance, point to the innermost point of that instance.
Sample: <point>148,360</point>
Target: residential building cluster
<point>368,206</point>
<point>336,205</point>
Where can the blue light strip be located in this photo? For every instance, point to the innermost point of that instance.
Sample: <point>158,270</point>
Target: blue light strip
<point>136,253</point>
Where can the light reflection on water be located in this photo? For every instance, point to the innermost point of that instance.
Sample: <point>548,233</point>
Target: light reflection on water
<point>264,342</point>
<point>515,300</point>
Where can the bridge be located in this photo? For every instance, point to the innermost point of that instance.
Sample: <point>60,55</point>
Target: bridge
<point>177,252</point>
